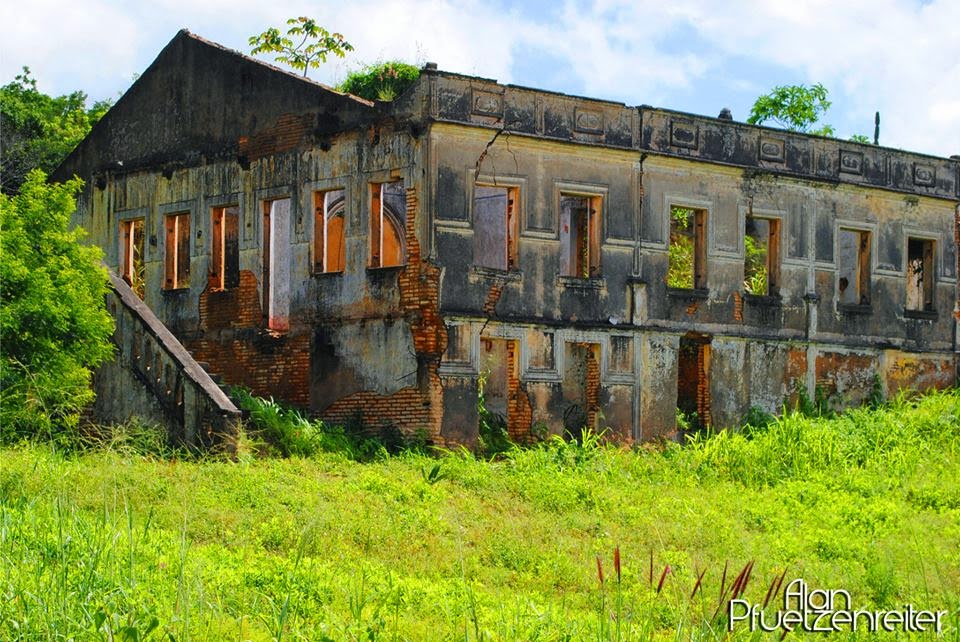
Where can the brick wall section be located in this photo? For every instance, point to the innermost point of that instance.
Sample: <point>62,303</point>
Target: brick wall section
<point>238,307</point>
<point>243,353</point>
<point>593,388</point>
<point>270,364</point>
<point>737,306</point>
<point>286,135</point>
<point>519,410</point>
<point>703,384</point>
<point>493,297</point>
<point>421,406</point>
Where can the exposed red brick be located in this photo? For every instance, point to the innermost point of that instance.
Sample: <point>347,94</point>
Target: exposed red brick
<point>421,406</point>
<point>493,297</point>
<point>593,387</point>
<point>237,348</point>
<point>519,410</point>
<point>286,135</point>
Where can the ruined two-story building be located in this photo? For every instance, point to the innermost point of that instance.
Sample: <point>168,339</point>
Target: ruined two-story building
<point>586,262</point>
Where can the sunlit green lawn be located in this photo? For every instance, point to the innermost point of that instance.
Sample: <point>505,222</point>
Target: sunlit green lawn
<point>412,547</point>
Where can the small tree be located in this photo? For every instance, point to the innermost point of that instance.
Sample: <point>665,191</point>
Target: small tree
<point>793,107</point>
<point>54,327</point>
<point>301,56</point>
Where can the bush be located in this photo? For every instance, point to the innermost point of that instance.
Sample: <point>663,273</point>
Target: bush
<point>54,326</point>
<point>380,81</point>
<point>287,431</point>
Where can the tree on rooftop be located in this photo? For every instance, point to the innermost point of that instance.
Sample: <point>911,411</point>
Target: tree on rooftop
<point>794,107</point>
<point>315,44</point>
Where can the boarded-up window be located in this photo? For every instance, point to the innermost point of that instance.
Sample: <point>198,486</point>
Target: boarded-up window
<point>495,227</point>
<point>853,266</point>
<point>225,251</point>
<point>687,263</point>
<point>329,243</point>
<point>387,224</point>
<point>580,235</point>
<point>761,260</point>
<point>132,267</point>
<point>920,274</point>
<point>177,252</point>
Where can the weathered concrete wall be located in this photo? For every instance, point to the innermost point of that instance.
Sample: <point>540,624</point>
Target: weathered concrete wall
<point>153,377</point>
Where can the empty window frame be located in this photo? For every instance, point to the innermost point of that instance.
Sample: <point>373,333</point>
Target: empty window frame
<point>687,262</point>
<point>275,280</point>
<point>176,263</point>
<point>495,226</point>
<point>132,267</point>
<point>387,224</point>
<point>761,259</point>
<point>920,253</point>
<point>329,242</point>
<point>853,267</point>
<point>225,250</point>
<point>580,217</point>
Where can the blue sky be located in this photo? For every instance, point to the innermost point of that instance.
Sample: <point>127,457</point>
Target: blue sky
<point>901,57</point>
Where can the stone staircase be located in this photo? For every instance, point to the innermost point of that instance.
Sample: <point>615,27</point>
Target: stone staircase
<point>154,377</point>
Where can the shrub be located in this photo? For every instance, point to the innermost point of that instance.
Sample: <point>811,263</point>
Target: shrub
<point>380,81</point>
<point>291,434</point>
<point>54,326</point>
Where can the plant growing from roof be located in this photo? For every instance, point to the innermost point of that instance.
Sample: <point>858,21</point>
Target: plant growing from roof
<point>794,107</point>
<point>301,56</point>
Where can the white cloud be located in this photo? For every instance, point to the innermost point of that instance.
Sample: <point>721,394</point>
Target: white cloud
<point>894,56</point>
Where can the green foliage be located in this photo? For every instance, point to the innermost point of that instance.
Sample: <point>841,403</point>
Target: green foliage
<point>100,545</point>
<point>860,138</point>
<point>493,436</point>
<point>288,433</point>
<point>681,250</point>
<point>37,131</point>
<point>793,107</point>
<point>876,398</point>
<point>380,81</point>
<point>300,56</point>
<point>755,266</point>
<point>54,327</point>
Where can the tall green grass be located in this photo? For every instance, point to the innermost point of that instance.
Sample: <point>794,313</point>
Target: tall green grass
<point>109,544</point>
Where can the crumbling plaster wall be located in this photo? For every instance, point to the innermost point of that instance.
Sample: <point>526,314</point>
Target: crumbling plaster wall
<point>350,332</point>
<point>763,349</point>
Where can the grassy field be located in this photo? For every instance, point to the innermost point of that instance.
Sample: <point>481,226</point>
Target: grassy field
<point>109,544</point>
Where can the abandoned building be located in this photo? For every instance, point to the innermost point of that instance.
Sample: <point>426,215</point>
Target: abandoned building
<point>587,263</point>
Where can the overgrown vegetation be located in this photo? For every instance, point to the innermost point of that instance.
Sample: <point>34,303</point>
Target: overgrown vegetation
<point>755,266</point>
<point>381,80</point>
<point>492,427</point>
<point>563,541</point>
<point>54,327</point>
<point>681,251</point>
<point>285,431</point>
